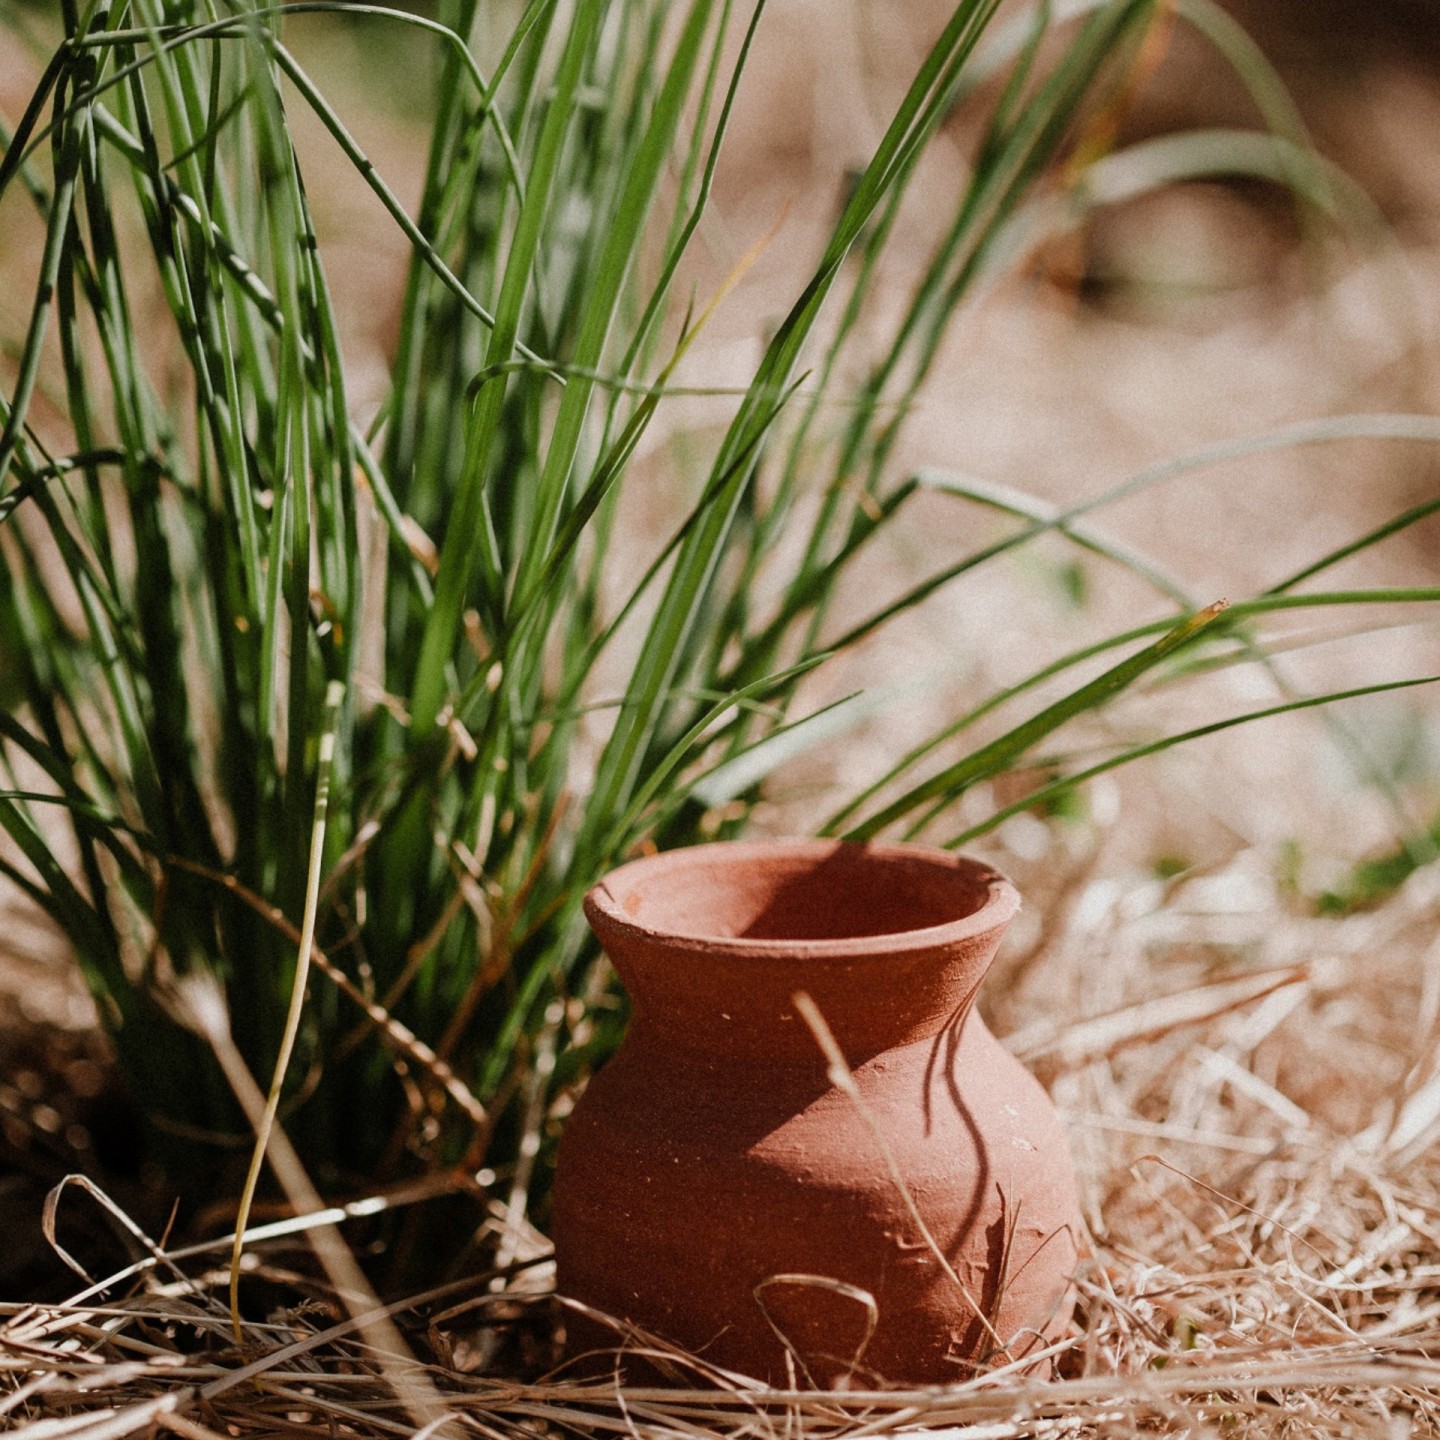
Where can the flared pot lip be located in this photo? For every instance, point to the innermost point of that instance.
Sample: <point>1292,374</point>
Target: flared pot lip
<point>604,907</point>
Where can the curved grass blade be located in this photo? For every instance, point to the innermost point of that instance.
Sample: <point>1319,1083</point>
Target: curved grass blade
<point>1010,501</point>
<point>1237,612</point>
<point>1309,432</point>
<point>1058,789</point>
<point>169,38</point>
<point>1001,752</point>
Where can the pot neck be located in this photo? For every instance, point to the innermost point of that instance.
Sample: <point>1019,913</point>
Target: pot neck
<point>714,942</point>
<point>696,1000</point>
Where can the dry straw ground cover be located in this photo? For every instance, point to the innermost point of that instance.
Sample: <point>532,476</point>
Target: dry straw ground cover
<point>1266,1253</point>
<point>232,460</point>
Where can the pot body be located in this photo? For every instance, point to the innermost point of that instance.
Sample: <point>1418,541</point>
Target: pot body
<point>717,1188</point>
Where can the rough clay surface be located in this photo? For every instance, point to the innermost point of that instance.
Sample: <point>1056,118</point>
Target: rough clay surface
<point>714,1185</point>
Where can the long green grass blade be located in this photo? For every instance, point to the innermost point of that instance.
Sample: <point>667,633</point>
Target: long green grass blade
<point>1006,749</point>
<point>1057,789</point>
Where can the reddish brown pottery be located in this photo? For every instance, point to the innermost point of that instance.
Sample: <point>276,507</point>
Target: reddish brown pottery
<point>717,1189</point>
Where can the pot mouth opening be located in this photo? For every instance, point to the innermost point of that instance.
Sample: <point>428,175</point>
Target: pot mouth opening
<point>826,896</point>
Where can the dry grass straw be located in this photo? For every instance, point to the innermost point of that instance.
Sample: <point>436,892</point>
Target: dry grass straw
<point>1253,1100</point>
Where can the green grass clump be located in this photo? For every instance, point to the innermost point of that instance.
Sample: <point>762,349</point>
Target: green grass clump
<point>199,538</point>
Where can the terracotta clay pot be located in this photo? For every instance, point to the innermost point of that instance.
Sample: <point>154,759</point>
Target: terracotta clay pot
<point>717,1189</point>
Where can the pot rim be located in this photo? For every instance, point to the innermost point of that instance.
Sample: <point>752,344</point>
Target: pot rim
<point>603,908</point>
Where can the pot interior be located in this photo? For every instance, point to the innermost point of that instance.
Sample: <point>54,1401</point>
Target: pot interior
<point>798,892</point>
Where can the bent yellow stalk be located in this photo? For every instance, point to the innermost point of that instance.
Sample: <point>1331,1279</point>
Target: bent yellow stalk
<point>334,695</point>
